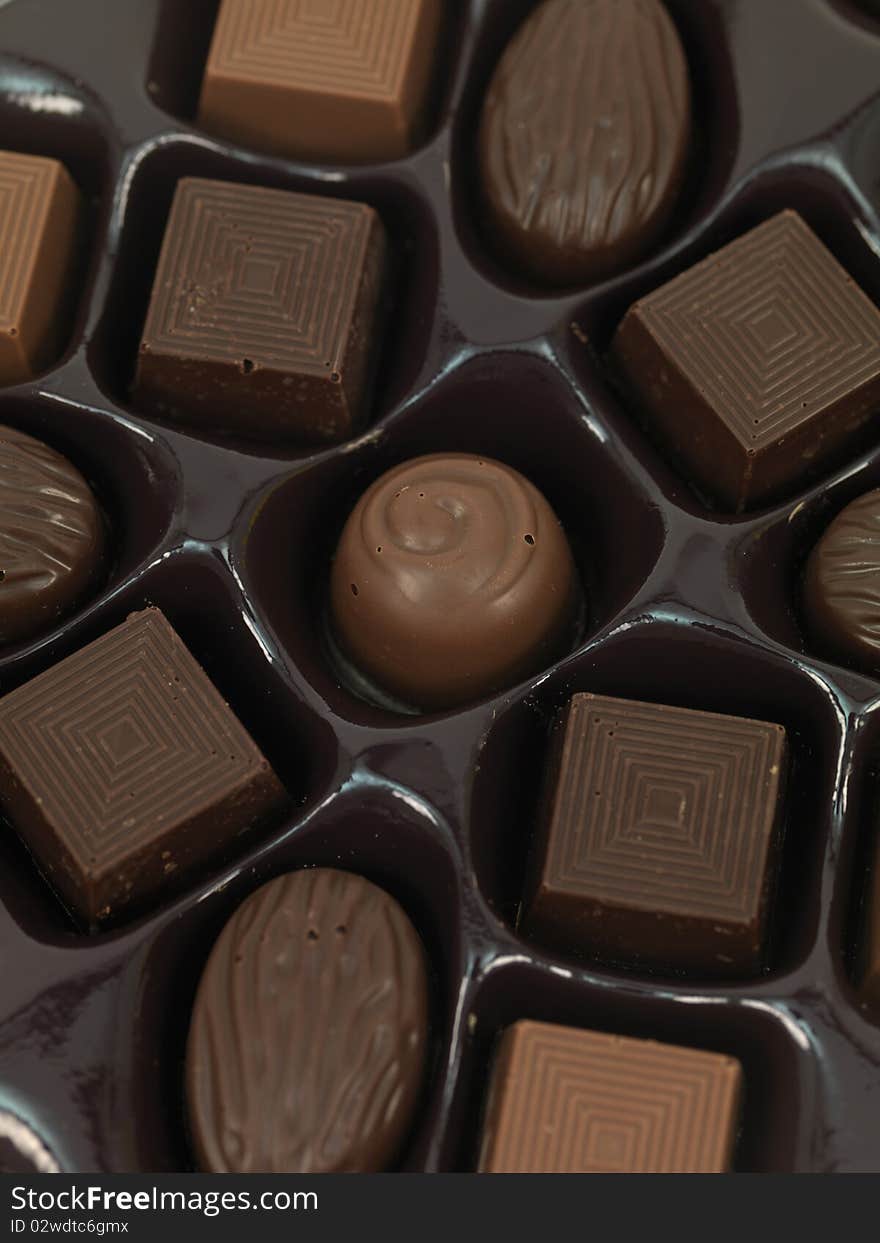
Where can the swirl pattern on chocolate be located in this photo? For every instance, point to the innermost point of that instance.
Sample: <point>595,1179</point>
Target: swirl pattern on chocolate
<point>842,585</point>
<point>307,1045</point>
<point>584,136</point>
<point>452,578</point>
<point>51,535</point>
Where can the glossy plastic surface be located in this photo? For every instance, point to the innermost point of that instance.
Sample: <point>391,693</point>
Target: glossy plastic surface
<point>233,542</point>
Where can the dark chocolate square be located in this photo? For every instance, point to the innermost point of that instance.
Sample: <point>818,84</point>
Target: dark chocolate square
<point>661,836</point>
<point>566,1101</point>
<point>757,365</point>
<point>123,769</point>
<point>263,315</point>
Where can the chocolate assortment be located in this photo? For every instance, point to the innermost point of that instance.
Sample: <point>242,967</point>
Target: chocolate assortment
<point>438,710</point>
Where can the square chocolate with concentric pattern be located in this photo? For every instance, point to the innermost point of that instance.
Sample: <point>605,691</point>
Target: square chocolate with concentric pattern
<point>346,80</point>
<point>566,1101</point>
<point>661,836</point>
<point>263,319</point>
<point>757,365</point>
<point>40,210</point>
<point>122,769</point>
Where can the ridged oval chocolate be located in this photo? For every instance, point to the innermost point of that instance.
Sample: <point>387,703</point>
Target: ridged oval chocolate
<point>842,585</point>
<point>584,137</point>
<point>51,535</point>
<point>307,1044</point>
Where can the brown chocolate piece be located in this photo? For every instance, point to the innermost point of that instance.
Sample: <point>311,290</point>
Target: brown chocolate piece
<point>51,536</point>
<point>756,366</point>
<point>452,579</point>
<point>122,769</point>
<point>308,1040</point>
<point>584,137</point>
<point>661,836</point>
<point>566,1101</point>
<point>345,81</point>
<point>262,319</point>
<point>842,585</point>
<point>39,217</point>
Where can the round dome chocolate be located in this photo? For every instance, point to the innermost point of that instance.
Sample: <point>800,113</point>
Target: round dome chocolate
<point>307,1046</point>
<point>452,579</point>
<point>51,536</point>
<point>842,585</point>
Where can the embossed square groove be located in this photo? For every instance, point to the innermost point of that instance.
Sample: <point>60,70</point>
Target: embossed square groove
<point>265,283</point>
<point>117,758</point>
<point>351,79</point>
<point>564,1100</point>
<point>662,825</point>
<point>273,276</point>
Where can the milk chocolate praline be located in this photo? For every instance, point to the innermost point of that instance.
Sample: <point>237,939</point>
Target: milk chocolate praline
<point>842,586</point>
<point>452,579</point>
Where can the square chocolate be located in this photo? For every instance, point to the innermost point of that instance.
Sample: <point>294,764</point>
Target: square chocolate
<point>661,836</point>
<point>755,366</point>
<point>342,81</point>
<point>566,1101</point>
<point>39,219</point>
<point>263,315</point>
<point>122,768</point>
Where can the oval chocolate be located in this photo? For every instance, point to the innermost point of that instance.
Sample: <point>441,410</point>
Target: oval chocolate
<point>584,136</point>
<point>307,1045</point>
<point>842,585</point>
<point>51,536</point>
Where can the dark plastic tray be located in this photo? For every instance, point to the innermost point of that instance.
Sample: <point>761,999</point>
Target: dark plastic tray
<point>233,543</point>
